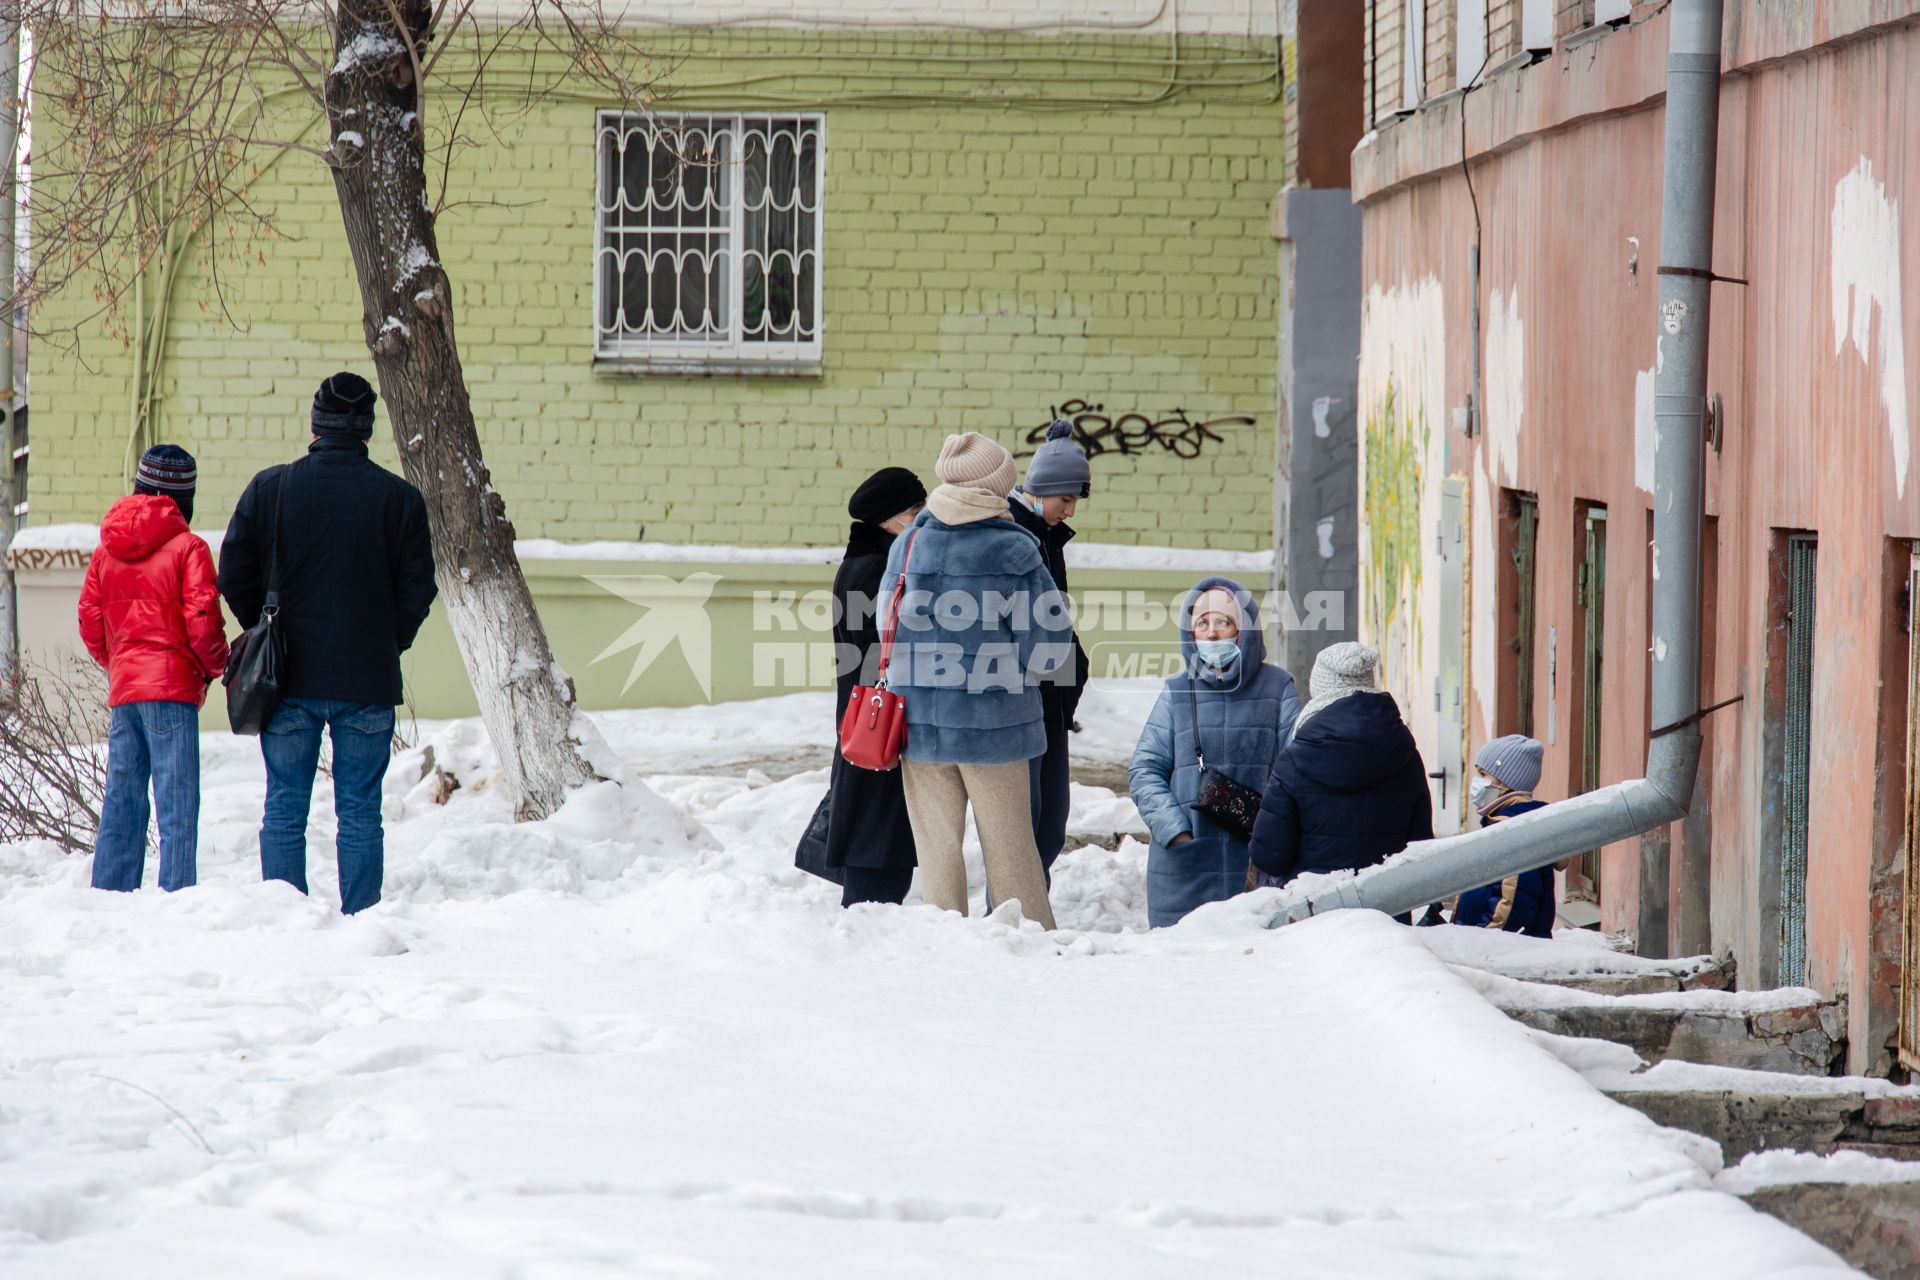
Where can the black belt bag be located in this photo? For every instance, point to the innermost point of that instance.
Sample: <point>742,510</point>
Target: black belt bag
<point>1230,805</point>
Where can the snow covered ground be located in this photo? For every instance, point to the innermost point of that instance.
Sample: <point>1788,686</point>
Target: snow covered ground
<point>632,1041</point>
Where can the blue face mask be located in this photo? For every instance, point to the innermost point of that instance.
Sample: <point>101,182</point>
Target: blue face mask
<point>1218,654</point>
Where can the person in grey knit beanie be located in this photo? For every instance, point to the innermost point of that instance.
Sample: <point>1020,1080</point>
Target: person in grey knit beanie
<point>1505,773</point>
<point>1512,761</point>
<point>1059,468</point>
<point>1057,478</point>
<point>1340,670</point>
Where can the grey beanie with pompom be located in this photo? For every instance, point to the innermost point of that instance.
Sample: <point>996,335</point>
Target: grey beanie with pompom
<point>1059,468</point>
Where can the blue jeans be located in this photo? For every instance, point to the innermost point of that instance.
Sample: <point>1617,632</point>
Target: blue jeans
<point>362,745</point>
<point>157,741</point>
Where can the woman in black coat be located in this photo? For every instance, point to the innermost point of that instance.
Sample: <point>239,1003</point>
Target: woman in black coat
<point>1349,790</point>
<point>868,837</point>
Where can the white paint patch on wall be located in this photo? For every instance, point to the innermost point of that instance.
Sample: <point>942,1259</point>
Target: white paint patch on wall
<point>1485,628</point>
<point>1504,372</point>
<point>1646,431</point>
<point>1866,274</point>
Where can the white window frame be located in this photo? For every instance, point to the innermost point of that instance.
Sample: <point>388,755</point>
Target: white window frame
<point>1469,42</point>
<point>1413,54</point>
<point>735,353</point>
<point>1536,25</point>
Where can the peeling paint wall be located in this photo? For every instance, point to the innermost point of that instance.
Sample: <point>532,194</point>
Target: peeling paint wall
<point>1403,401</point>
<point>1504,385</point>
<point>1819,165</point>
<point>1866,279</point>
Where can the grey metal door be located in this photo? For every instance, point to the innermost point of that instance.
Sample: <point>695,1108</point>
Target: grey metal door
<point>1448,760</point>
<point>1801,552</point>
<point>1910,966</point>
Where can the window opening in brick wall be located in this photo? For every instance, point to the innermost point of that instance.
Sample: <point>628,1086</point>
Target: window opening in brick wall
<point>1470,38</point>
<point>15,456</point>
<point>707,240</point>
<point>1413,54</point>
<point>1536,24</point>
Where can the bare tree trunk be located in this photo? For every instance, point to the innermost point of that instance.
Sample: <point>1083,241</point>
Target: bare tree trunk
<point>546,746</point>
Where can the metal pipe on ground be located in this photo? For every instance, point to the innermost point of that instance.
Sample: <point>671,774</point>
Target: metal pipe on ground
<point>1437,869</point>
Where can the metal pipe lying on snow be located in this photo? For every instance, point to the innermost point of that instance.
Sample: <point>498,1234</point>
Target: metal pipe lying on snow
<point>1436,869</point>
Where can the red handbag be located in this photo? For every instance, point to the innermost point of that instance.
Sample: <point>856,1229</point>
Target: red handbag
<point>874,727</point>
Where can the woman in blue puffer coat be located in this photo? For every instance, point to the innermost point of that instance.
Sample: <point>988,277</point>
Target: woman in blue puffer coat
<point>1245,710</point>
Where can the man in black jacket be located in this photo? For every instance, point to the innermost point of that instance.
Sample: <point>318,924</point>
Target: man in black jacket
<point>354,576</point>
<point>1057,478</point>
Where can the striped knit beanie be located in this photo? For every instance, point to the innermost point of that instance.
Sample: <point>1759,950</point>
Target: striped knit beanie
<point>971,461</point>
<point>167,468</point>
<point>344,406</point>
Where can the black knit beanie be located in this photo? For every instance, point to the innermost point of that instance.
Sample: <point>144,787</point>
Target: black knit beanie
<point>885,494</point>
<point>344,406</point>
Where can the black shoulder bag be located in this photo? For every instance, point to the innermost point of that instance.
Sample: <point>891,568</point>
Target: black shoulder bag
<point>1231,805</point>
<point>257,663</point>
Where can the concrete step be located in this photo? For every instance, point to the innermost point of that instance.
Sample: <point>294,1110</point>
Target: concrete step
<point>1645,984</point>
<point>1874,1226</point>
<point>1749,1119</point>
<point>1769,1031</point>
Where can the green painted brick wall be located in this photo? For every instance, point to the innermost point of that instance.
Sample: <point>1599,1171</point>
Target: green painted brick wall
<point>984,262</point>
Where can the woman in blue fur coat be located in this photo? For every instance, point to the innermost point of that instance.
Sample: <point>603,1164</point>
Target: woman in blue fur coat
<point>981,626</point>
<point>1246,709</point>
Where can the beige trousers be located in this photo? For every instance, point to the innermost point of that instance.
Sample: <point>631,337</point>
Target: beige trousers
<point>937,796</point>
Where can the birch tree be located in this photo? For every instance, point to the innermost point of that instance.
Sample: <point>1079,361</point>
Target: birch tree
<point>159,116</point>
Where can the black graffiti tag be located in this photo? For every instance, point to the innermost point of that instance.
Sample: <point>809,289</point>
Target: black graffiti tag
<point>1133,433</point>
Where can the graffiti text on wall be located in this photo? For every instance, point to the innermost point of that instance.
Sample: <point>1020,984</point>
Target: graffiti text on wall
<point>1132,433</point>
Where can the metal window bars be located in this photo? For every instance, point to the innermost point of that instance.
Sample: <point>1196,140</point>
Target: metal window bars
<point>707,239</point>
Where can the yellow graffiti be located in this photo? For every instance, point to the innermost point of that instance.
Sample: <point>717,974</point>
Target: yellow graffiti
<point>1395,442</point>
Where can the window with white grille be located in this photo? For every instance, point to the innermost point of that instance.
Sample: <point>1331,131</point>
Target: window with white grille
<point>707,240</point>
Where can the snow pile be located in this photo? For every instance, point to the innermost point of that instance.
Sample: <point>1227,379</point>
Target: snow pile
<point>633,1040</point>
<point>1570,954</point>
<point>1765,1169</point>
<point>1511,993</point>
<point>1674,1074</point>
<point>56,537</point>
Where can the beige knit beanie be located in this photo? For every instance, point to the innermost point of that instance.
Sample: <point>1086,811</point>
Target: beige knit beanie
<point>972,461</point>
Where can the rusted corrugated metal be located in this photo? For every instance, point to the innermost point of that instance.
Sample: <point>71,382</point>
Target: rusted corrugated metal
<point>1817,361</point>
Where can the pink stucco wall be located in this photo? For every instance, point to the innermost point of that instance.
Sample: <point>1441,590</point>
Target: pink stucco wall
<point>1818,362</point>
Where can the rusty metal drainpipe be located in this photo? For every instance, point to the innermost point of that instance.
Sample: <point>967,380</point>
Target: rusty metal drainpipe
<point>1433,870</point>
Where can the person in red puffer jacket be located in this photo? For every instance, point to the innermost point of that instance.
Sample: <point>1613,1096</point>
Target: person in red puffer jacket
<point>150,614</point>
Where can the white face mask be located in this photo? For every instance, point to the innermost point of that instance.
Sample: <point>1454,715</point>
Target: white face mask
<point>1482,790</point>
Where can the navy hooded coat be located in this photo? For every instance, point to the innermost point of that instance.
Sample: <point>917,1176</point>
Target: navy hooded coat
<point>1347,792</point>
<point>1245,715</point>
